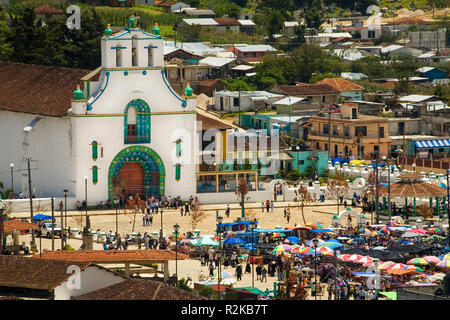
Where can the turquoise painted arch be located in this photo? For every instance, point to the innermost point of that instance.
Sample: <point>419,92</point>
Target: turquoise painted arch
<point>143,122</point>
<point>150,162</point>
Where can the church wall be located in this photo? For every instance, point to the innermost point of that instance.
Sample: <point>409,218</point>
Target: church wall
<point>105,124</point>
<point>49,145</point>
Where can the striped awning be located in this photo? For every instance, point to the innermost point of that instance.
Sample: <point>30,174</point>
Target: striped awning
<point>444,143</point>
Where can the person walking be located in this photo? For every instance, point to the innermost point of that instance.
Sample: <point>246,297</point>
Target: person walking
<point>264,274</point>
<point>262,207</point>
<point>258,272</point>
<point>239,272</point>
<point>227,211</point>
<point>267,206</point>
<point>211,269</point>
<point>271,206</point>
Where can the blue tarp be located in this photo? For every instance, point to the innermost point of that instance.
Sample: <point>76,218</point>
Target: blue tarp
<point>40,216</point>
<point>363,274</point>
<point>321,230</point>
<point>271,230</point>
<point>380,165</point>
<point>340,160</point>
<point>234,240</point>
<point>293,239</point>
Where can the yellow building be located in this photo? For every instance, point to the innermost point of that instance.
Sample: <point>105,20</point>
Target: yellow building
<point>350,134</point>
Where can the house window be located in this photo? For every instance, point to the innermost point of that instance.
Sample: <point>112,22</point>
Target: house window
<point>254,54</point>
<point>381,132</point>
<point>317,146</point>
<point>94,174</point>
<point>326,129</point>
<point>301,162</point>
<point>347,131</point>
<point>178,147</point>
<point>401,128</point>
<point>354,113</point>
<point>94,150</point>
<point>235,101</point>
<point>137,122</point>
<point>371,34</point>
<point>177,171</point>
<point>323,99</point>
<point>326,146</point>
<point>361,129</point>
<point>335,130</point>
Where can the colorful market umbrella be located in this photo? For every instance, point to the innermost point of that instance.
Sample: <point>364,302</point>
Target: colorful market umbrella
<point>173,237</point>
<point>343,257</point>
<point>228,281</point>
<point>293,239</point>
<point>316,225</point>
<point>397,266</point>
<point>410,267</point>
<point>385,265</point>
<point>281,249</point>
<point>435,230</point>
<point>418,262</point>
<point>278,235</point>
<point>225,275</point>
<point>444,264</point>
<point>446,257</point>
<point>305,250</point>
<point>310,243</point>
<point>419,230</point>
<point>354,258</point>
<point>234,240</point>
<point>324,250</point>
<point>366,260</point>
<point>432,259</point>
<point>441,184</point>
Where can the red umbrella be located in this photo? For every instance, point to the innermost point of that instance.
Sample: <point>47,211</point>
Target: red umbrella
<point>343,257</point>
<point>420,230</point>
<point>366,261</point>
<point>355,258</point>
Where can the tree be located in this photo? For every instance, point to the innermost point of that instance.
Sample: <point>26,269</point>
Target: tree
<point>242,192</point>
<point>228,8</point>
<point>206,292</point>
<point>274,22</point>
<point>337,187</point>
<point>239,83</point>
<point>313,17</point>
<point>183,283</point>
<point>320,76</point>
<point>302,195</point>
<point>189,33</point>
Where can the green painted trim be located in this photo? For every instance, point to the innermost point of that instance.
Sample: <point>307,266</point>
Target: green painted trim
<point>88,88</point>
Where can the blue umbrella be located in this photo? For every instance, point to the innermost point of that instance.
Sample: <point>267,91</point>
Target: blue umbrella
<point>333,240</point>
<point>234,240</point>
<point>332,245</point>
<point>293,239</point>
<point>41,217</point>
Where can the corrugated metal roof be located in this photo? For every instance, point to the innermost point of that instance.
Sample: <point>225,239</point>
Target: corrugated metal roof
<point>255,48</point>
<point>291,24</point>
<point>243,67</point>
<point>391,48</point>
<point>201,21</point>
<point>246,22</point>
<point>288,101</point>
<point>216,62</point>
<point>415,98</point>
<point>353,75</point>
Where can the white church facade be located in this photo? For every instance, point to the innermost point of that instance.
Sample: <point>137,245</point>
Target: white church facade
<point>126,132</point>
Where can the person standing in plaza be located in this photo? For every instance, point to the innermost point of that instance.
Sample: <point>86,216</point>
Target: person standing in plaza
<point>227,211</point>
<point>267,205</point>
<point>264,274</point>
<point>262,207</point>
<point>271,206</point>
<point>239,272</point>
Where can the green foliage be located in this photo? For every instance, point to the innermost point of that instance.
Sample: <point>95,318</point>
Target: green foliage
<point>67,247</point>
<point>183,283</point>
<point>239,83</point>
<point>386,114</point>
<point>206,292</point>
<point>228,8</point>
<point>313,17</point>
<point>320,76</point>
<point>293,175</point>
<point>310,172</point>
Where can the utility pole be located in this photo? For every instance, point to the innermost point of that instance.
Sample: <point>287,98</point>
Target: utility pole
<point>53,225</point>
<point>239,115</point>
<point>30,192</point>
<point>62,229</point>
<point>336,266</point>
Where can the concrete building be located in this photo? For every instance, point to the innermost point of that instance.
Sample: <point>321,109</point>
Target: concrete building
<point>350,133</point>
<point>348,91</point>
<point>322,94</point>
<point>396,50</point>
<point>432,73</point>
<point>228,101</point>
<point>433,40</point>
<point>252,53</point>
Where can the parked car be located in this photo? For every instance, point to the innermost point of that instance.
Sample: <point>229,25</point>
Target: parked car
<point>46,229</point>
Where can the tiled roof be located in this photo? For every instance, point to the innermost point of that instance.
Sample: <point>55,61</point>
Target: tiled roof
<point>100,256</point>
<point>210,82</point>
<point>306,89</point>
<point>341,84</point>
<point>164,3</point>
<point>33,273</point>
<point>47,10</point>
<point>410,189</point>
<point>37,89</point>
<point>227,21</point>
<point>140,289</point>
<point>18,225</point>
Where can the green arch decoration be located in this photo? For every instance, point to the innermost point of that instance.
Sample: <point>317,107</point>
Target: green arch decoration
<point>150,161</point>
<point>143,121</point>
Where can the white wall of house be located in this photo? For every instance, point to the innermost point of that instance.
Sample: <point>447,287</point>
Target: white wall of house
<point>49,146</point>
<point>92,278</point>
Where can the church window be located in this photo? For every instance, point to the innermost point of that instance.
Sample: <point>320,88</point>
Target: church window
<point>118,56</point>
<point>178,146</point>
<point>134,57</point>
<point>137,122</point>
<point>94,174</point>
<point>94,150</point>
<point>177,171</point>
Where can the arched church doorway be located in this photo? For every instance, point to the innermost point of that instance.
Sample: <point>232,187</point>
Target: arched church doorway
<point>136,169</point>
<point>131,178</point>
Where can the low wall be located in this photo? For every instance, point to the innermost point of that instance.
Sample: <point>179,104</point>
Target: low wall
<point>419,293</point>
